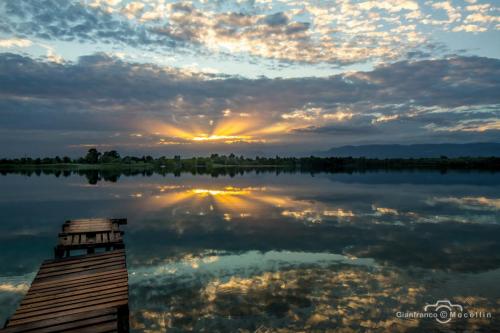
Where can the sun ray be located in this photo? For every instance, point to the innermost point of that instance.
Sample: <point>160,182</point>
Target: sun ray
<point>226,130</point>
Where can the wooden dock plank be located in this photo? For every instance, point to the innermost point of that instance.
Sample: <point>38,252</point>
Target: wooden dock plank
<point>63,284</point>
<point>70,282</point>
<point>85,270</point>
<point>75,292</point>
<point>96,256</point>
<point>86,293</point>
<point>74,289</point>
<point>74,286</point>
<point>80,271</point>
<point>82,301</point>
<point>72,297</point>
<point>79,264</point>
<point>68,312</point>
<point>62,324</point>
<point>89,234</point>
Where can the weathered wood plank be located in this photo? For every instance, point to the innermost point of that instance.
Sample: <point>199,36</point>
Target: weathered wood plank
<point>89,234</point>
<point>101,328</point>
<point>94,288</point>
<point>75,291</point>
<point>58,307</point>
<point>97,267</point>
<point>74,299</point>
<point>62,261</point>
<point>88,325</point>
<point>71,265</point>
<point>76,280</point>
<point>117,303</point>
<point>62,323</point>
<point>75,226</point>
<point>66,292</point>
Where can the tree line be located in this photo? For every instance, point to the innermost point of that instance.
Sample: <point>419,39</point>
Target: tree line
<point>112,158</point>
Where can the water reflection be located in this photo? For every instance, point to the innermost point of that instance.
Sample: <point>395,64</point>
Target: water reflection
<point>328,296</point>
<point>284,253</point>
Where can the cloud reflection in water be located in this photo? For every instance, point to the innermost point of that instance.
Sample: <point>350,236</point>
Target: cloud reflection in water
<point>289,252</point>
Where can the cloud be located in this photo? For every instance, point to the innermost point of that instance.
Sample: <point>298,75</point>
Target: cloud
<point>99,96</point>
<point>452,12</point>
<point>391,5</point>
<point>71,21</point>
<point>343,32</point>
<point>474,125</point>
<point>132,9</point>
<point>385,118</point>
<point>468,203</point>
<point>312,113</point>
<point>15,42</point>
<point>338,130</point>
<point>469,28</point>
<point>276,19</point>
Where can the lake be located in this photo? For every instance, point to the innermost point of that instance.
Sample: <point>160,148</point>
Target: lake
<point>266,252</point>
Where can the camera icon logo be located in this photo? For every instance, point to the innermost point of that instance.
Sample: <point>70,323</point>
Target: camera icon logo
<point>444,310</point>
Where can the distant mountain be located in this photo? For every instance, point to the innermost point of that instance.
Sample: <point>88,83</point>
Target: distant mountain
<point>416,150</point>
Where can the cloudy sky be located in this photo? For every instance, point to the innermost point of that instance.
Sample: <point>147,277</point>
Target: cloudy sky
<point>249,77</point>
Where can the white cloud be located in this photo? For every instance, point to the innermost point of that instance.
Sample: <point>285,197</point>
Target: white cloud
<point>471,203</point>
<point>342,32</point>
<point>384,118</point>
<point>319,115</point>
<point>452,12</point>
<point>15,42</point>
<point>482,18</point>
<point>389,5</point>
<point>469,28</point>
<point>132,9</point>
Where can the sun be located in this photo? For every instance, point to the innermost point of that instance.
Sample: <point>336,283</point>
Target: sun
<point>226,131</point>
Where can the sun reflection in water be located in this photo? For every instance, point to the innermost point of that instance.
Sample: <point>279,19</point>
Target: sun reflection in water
<point>232,202</point>
<point>229,201</point>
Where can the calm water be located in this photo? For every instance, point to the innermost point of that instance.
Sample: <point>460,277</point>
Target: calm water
<point>268,253</point>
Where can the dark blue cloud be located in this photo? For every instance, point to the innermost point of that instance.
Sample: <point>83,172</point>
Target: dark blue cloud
<point>446,83</point>
<point>71,21</point>
<point>108,95</point>
<point>276,19</point>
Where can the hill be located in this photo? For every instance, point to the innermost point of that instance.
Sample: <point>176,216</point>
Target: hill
<point>417,150</point>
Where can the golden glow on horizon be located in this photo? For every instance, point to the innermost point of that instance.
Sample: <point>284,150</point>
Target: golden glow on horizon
<point>226,130</point>
<point>218,137</point>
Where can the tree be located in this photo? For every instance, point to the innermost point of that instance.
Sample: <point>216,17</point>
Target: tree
<point>177,161</point>
<point>92,156</point>
<point>110,156</point>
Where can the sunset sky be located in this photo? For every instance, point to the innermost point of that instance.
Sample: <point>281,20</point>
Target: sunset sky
<point>249,77</point>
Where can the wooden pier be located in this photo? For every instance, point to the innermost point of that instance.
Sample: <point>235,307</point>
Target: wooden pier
<point>89,234</point>
<point>85,293</point>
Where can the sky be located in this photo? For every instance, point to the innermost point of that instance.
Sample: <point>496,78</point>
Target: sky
<point>253,77</point>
